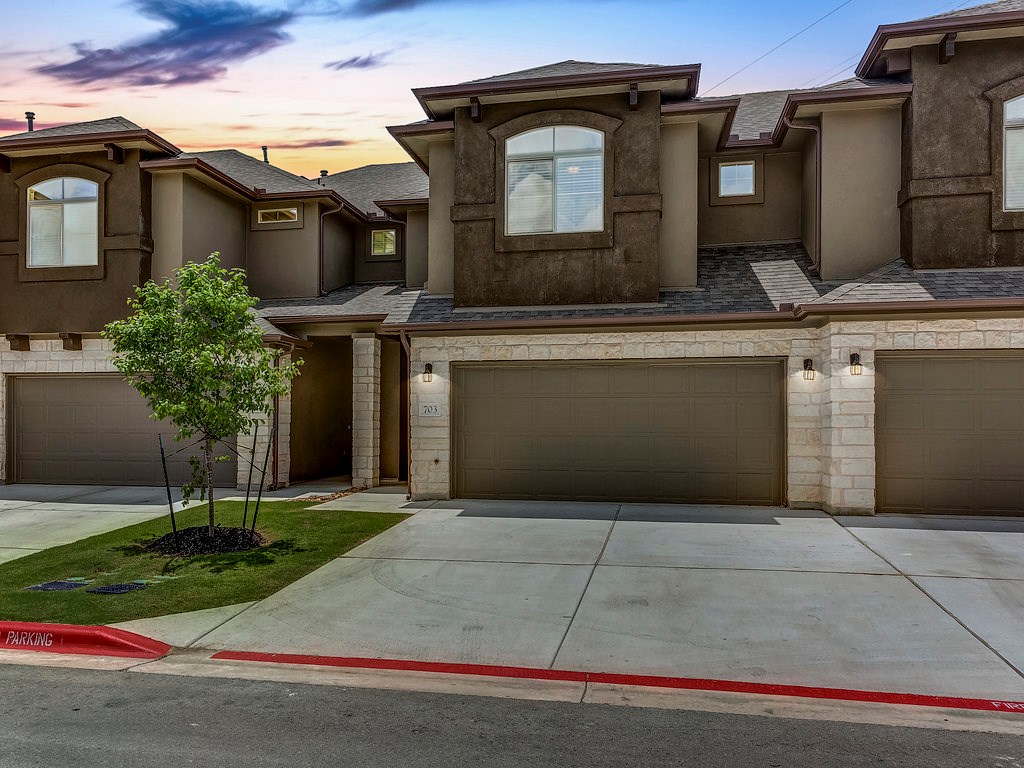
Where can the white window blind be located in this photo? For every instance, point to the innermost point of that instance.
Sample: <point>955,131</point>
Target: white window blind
<point>44,248</point>
<point>63,217</point>
<point>736,179</point>
<point>554,181</point>
<point>382,242</point>
<point>1013,155</point>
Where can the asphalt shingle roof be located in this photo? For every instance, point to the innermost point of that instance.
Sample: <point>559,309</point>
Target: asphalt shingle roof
<point>252,172</point>
<point>391,181</point>
<point>106,125</point>
<point>759,112</point>
<point>896,281</point>
<point>563,69</point>
<point>1005,6</point>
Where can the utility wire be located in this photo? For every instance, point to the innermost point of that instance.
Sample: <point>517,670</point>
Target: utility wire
<point>815,23</point>
<point>818,80</point>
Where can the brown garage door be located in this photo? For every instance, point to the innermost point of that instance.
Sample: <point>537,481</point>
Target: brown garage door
<point>950,434</point>
<point>91,430</point>
<point>678,432</point>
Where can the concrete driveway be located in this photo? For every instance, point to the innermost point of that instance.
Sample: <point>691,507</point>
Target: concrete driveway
<point>769,595</point>
<point>35,517</point>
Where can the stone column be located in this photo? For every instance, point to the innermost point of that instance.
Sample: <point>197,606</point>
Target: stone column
<point>246,449</point>
<point>365,410</point>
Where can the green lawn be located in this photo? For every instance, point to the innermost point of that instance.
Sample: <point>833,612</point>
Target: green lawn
<point>300,540</point>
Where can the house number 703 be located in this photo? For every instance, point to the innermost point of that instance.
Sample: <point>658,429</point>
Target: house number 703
<point>430,409</point>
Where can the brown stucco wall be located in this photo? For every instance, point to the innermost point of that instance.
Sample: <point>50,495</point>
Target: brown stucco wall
<point>285,262</point>
<point>779,217</point>
<point>678,267</point>
<point>380,269</point>
<point>808,194</point>
<point>339,235</point>
<point>561,269</point>
<point>951,169</point>
<point>83,305</point>
<point>391,375</point>
<point>416,242</point>
<point>321,410</point>
<point>441,232</point>
<point>213,222</point>
<point>860,189</point>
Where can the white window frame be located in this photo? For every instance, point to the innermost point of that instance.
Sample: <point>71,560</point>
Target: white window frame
<point>260,215</point>
<point>753,178</point>
<point>61,205</point>
<point>553,157</point>
<point>394,243</point>
<point>1015,125</point>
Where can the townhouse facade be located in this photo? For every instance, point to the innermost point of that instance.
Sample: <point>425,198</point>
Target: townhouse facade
<point>590,283</point>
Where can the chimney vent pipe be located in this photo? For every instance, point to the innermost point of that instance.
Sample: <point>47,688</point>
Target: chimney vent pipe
<point>31,117</point>
<point>266,157</point>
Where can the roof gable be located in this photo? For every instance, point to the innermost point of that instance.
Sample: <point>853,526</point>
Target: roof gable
<point>106,125</point>
<point>566,68</point>
<point>390,181</point>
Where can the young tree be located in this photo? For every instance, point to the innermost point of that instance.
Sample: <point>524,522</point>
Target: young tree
<point>193,350</point>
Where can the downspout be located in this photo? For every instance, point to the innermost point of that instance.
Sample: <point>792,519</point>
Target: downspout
<point>816,260</point>
<point>320,265</point>
<point>408,414</point>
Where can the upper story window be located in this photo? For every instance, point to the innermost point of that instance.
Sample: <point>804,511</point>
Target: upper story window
<point>736,179</point>
<point>276,215</point>
<point>383,242</point>
<point>63,223</point>
<point>554,181</point>
<point>1013,154</point>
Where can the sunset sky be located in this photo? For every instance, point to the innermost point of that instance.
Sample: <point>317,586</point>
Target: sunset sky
<point>318,81</point>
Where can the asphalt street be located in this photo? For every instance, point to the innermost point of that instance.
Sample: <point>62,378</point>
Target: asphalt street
<point>62,717</point>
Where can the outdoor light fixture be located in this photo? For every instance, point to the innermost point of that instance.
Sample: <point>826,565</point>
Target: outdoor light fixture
<point>428,373</point>
<point>808,370</point>
<point>856,369</point>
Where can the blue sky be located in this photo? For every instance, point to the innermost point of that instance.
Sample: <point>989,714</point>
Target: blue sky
<point>319,80</point>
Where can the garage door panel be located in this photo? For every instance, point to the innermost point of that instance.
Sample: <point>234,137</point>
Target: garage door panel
<point>950,433</point>
<point>665,431</point>
<point>93,430</point>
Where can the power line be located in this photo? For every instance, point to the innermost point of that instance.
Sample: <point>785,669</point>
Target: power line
<point>815,23</point>
<point>944,9</point>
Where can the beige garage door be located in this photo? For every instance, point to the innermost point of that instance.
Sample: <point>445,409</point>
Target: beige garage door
<point>91,430</point>
<point>674,432</point>
<point>950,434</point>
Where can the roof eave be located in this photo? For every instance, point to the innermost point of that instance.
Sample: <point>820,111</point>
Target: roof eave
<point>887,32</point>
<point>104,137</point>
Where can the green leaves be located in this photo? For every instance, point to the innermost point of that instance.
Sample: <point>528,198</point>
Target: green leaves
<point>193,350</point>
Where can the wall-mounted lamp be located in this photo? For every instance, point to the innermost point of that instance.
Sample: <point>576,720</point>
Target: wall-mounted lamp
<point>428,373</point>
<point>856,369</point>
<point>808,370</point>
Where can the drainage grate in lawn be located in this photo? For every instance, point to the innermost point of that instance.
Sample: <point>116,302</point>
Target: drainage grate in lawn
<point>116,589</point>
<point>60,585</point>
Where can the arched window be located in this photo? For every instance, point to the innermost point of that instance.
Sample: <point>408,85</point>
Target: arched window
<point>1013,154</point>
<point>554,181</point>
<point>63,223</point>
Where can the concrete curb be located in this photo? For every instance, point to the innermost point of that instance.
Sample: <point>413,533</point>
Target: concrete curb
<point>73,638</point>
<point>643,681</point>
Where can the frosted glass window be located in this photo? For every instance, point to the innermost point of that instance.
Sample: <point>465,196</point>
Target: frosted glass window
<point>736,179</point>
<point>554,181</point>
<point>1013,155</point>
<point>63,223</point>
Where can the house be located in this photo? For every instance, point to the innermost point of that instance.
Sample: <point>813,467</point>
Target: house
<point>590,283</point>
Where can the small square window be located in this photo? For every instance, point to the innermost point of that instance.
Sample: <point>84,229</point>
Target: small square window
<point>277,215</point>
<point>736,179</point>
<point>382,242</point>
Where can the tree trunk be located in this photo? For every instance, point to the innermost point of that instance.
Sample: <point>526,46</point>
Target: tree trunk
<point>208,458</point>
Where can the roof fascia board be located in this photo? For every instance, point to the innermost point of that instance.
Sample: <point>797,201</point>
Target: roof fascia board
<point>888,32</point>
<point>106,137</point>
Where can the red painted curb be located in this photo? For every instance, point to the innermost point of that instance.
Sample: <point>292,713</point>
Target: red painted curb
<point>649,681</point>
<point>74,638</point>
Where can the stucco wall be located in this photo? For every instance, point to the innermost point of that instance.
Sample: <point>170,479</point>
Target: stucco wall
<point>777,218</point>
<point>416,247</point>
<point>339,251</point>
<point>619,264</point>
<point>168,223</point>
<point>212,222</point>
<point>285,262</point>
<point>678,264</point>
<point>321,410</point>
<point>809,195</point>
<point>441,233</point>
<point>861,151</point>
<point>375,269</point>
<point>27,305</point>
<point>951,168</point>
<point>830,421</point>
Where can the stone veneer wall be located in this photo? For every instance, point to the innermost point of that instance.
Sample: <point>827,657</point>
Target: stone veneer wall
<point>830,421</point>
<point>263,435</point>
<point>365,410</point>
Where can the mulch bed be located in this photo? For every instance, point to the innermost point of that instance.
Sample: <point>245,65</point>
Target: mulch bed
<point>197,541</point>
